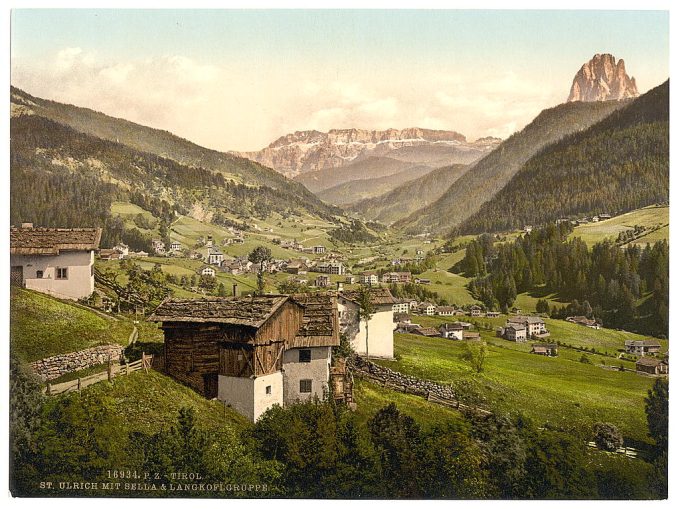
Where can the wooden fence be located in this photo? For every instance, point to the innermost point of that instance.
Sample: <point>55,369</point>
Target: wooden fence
<point>630,452</point>
<point>112,371</point>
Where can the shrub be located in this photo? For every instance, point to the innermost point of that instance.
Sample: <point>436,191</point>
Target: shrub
<point>607,436</point>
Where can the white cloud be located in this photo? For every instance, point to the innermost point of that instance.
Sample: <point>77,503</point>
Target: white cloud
<point>244,106</point>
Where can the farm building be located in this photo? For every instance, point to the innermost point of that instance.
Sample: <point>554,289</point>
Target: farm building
<point>380,326</point>
<point>451,331</point>
<point>549,349</point>
<point>642,347</point>
<point>475,311</point>
<point>652,365</point>
<point>55,261</point>
<point>429,332</point>
<point>251,352</point>
<point>582,320</point>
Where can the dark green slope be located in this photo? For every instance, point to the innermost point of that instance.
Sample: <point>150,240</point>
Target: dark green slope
<point>61,177</point>
<point>490,174</point>
<point>617,165</point>
<point>165,144</point>
<point>410,196</point>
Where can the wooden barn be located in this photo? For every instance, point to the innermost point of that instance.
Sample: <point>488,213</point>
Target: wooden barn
<point>251,352</point>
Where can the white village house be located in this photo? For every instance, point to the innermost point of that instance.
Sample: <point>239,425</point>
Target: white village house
<point>55,261</point>
<point>380,326</point>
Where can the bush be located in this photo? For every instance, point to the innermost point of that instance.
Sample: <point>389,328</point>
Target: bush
<point>607,436</point>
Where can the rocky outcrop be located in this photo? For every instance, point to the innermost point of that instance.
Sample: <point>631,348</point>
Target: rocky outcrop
<point>307,151</point>
<point>54,367</point>
<point>602,79</point>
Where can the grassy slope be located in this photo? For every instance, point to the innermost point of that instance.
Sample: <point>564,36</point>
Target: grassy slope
<point>649,217</point>
<point>151,401</point>
<point>43,326</point>
<point>560,391</point>
<point>371,397</point>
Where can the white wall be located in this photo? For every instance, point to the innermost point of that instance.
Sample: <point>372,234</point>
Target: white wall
<point>80,282</point>
<point>248,396</point>
<point>318,370</point>
<point>380,329</point>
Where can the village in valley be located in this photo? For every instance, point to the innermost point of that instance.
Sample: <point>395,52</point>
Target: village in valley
<point>348,312</point>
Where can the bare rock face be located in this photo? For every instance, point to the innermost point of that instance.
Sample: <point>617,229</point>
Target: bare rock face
<point>307,151</point>
<point>602,79</point>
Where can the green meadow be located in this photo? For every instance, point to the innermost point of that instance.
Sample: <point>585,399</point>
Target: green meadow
<point>559,392</point>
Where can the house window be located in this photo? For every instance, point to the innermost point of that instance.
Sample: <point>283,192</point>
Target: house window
<point>62,273</point>
<point>305,355</point>
<point>305,386</point>
<point>268,389</point>
<point>39,274</point>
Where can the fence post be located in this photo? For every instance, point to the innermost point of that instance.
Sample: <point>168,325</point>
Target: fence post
<point>127,368</point>
<point>79,384</point>
<point>49,389</point>
<point>109,369</point>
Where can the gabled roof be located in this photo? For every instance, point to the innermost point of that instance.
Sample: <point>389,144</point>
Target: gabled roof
<point>319,320</point>
<point>248,311</point>
<point>648,361</point>
<point>51,241</point>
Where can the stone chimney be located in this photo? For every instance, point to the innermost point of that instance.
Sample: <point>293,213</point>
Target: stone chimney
<point>234,289</point>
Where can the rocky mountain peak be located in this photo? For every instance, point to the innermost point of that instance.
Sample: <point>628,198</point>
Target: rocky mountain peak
<point>602,79</point>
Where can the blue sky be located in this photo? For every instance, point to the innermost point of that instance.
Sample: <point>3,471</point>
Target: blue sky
<point>239,79</point>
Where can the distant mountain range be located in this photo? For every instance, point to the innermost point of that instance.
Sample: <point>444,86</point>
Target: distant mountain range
<point>314,151</point>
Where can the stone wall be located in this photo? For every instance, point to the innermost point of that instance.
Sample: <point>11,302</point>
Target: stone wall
<point>54,367</point>
<point>432,391</point>
<point>399,381</point>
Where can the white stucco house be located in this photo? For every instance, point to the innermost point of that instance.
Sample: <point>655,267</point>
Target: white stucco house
<point>55,261</point>
<point>380,326</point>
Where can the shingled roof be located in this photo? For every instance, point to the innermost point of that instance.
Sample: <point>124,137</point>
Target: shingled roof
<point>51,241</point>
<point>250,311</point>
<point>319,320</point>
<point>379,296</point>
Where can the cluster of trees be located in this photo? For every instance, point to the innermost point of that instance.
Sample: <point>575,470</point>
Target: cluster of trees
<point>355,232</point>
<point>610,278</point>
<point>320,450</point>
<point>418,292</point>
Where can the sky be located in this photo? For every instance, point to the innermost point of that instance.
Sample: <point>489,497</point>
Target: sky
<point>239,79</point>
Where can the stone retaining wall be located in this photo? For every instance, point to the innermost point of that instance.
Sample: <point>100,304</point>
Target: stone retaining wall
<point>432,391</point>
<point>401,382</point>
<point>54,367</point>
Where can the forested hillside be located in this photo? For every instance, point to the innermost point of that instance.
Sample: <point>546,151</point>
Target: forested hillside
<point>492,173</point>
<point>355,191</point>
<point>164,144</point>
<point>61,177</point>
<point>410,196</point>
<point>607,282</point>
<point>617,165</point>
